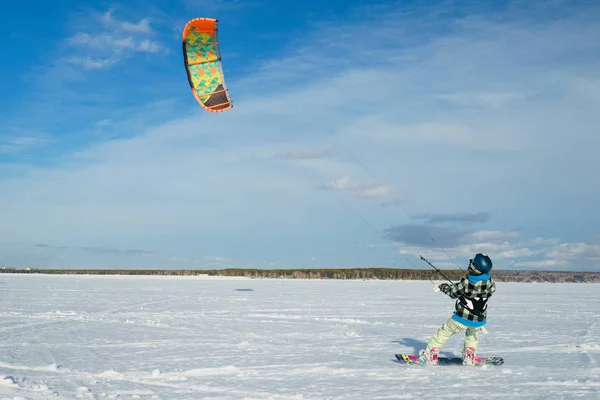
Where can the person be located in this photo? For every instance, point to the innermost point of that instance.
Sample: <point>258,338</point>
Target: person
<point>472,293</point>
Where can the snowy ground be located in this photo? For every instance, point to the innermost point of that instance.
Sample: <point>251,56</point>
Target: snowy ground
<point>134,337</point>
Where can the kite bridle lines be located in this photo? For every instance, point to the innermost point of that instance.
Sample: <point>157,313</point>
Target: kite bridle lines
<point>330,132</point>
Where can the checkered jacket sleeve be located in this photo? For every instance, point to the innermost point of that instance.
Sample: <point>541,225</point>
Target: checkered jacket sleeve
<point>466,288</point>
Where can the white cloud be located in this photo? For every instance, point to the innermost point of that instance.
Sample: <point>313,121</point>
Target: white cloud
<point>110,22</point>
<point>11,144</point>
<point>541,241</point>
<point>576,251</point>
<point>93,63</point>
<point>113,42</point>
<point>517,253</point>
<point>103,48</point>
<point>492,236</point>
<point>362,190</point>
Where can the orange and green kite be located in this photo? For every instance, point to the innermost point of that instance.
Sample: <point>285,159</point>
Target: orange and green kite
<point>203,64</point>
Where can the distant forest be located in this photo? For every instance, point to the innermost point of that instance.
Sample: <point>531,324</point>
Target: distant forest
<point>336,273</point>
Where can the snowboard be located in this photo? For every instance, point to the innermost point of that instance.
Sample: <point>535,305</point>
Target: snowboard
<point>411,359</point>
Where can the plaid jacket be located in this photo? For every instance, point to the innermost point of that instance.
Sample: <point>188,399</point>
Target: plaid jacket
<point>472,294</point>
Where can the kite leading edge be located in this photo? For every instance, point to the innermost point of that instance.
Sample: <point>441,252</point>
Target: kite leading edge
<point>202,59</point>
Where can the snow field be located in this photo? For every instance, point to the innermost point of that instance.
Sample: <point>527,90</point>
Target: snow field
<point>160,337</point>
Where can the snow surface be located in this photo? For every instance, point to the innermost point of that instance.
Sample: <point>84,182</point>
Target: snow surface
<point>151,337</point>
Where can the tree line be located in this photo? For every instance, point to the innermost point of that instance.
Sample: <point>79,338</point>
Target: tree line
<point>334,273</point>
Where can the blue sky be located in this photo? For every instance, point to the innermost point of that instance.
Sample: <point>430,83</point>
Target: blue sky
<point>355,124</point>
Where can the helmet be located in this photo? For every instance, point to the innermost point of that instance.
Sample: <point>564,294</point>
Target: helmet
<point>480,264</point>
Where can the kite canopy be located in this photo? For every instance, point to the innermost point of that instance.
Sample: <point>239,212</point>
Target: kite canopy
<point>203,64</point>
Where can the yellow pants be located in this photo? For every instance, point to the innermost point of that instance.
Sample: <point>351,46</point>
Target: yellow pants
<point>450,328</point>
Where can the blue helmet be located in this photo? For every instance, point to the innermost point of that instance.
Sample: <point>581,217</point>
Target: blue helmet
<point>480,264</point>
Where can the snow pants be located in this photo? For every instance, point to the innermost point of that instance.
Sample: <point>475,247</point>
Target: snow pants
<point>450,328</point>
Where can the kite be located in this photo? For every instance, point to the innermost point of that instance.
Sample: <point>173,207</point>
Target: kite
<point>202,58</point>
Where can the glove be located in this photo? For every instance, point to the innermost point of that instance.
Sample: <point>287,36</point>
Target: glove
<point>444,287</point>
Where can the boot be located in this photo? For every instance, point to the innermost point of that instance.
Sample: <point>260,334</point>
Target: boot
<point>469,356</point>
<point>430,357</point>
